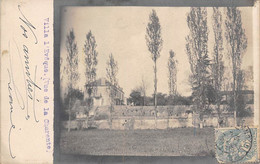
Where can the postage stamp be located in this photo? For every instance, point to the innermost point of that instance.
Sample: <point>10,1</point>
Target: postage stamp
<point>236,144</point>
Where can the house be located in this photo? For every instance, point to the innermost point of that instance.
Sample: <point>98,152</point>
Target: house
<point>247,94</point>
<point>102,91</point>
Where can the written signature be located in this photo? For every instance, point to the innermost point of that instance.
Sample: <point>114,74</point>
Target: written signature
<point>22,96</point>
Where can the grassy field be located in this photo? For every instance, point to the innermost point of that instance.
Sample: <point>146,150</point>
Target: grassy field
<point>172,142</point>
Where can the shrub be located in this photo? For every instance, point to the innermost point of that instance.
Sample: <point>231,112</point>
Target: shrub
<point>101,117</point>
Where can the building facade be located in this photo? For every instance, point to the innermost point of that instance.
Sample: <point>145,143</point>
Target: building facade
<point>104,94</point>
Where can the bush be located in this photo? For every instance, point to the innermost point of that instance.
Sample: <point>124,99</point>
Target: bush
<point>73,96</point>
<point>241,107</point>
<point>101,117</point>
<point>179,100</point>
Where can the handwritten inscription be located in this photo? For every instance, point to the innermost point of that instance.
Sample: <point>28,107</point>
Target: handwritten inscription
<point>22,96</point>
<point>11,111</point>
<point>28,26</point>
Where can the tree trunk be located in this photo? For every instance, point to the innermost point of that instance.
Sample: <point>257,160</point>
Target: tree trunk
<point>168,119</point>
<point>218,110</point>
<point>142,117</point>
<point>111,107</point>
<point>89,101</point>
<point>235,111</point>
<point>110,118</point>
<point>70,89</point>
<point>155,85</point>
<point>69,115</point>
<point>235,100</point>
<point>155,93</point>
<point>219,97</point>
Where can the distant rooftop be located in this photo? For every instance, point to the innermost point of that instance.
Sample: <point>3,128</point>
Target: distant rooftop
<point>104,82</point>
<point>242,92</point>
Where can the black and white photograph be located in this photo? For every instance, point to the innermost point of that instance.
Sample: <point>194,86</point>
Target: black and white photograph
<point>157,81</point>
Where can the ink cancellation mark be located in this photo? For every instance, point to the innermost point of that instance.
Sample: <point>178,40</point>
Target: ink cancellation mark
<point>236,144</point>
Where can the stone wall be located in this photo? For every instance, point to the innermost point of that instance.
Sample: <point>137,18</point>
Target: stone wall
<point>138,117</point>
<point>150,123</point>
<point>131,123</point>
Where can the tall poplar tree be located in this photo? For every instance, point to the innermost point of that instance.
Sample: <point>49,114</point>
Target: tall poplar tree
<point>217,63</point>
<point>91,64</point>
<point>197,51</point>
<point>112,70</point>
<point>237,45</point>
<point>172,68</point>
<point>154,43</point>
<point>72,66</point>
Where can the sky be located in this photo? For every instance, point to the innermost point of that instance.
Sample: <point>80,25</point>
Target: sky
<point>121,31</point>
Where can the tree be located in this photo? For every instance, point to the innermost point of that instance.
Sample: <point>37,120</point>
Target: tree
<point>217,64</point>
<point>112,70</point>
<point>172,67</point>
<point>162,99</point>
<point>91,63</point>
<point>70,98</point>
<point>241,101</point>
<point>179,100</point>
<point>237,45</point>
<point>142,88</point>
<point>154,43</point>
<point>249,78</point>
<point>136,98</point>
<point>72,69</point>
<point>197,51</point>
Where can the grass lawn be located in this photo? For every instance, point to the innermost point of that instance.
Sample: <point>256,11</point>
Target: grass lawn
<point>172,142</point>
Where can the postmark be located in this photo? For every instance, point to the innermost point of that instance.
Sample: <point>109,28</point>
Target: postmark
<point>236,144</point>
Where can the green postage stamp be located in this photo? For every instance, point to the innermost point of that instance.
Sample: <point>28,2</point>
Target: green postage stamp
<point>236,145</point>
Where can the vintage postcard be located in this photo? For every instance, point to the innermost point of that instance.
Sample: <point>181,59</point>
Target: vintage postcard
<point>129,82</point>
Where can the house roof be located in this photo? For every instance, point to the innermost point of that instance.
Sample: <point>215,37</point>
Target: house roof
<point>102,81</point>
